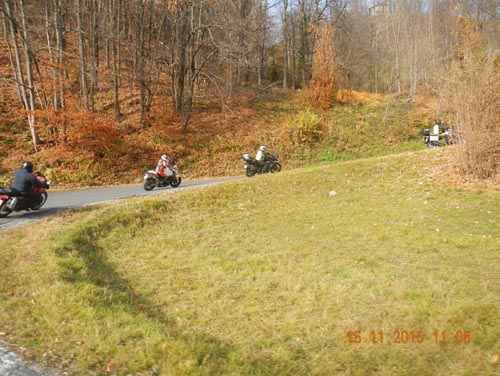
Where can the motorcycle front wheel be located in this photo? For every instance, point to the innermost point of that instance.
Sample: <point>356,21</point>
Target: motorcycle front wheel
<point>176,182</point>
<point>276,167</point>
<point>149,184</point>
<point>41,201</point>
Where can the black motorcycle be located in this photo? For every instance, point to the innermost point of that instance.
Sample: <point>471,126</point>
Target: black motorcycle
<point>453,136</point>
<point>153,180</point>
<point>252,166</point>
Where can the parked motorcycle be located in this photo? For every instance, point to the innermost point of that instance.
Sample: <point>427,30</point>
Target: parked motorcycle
<point>453,136</point>
<point>449,136</point>
<point>153,180</point>
<point>253,167</point>
<point>431,141</point>
<point>12,202</point>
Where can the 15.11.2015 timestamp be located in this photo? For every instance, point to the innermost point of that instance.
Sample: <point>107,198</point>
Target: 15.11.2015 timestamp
<point>409,336</point>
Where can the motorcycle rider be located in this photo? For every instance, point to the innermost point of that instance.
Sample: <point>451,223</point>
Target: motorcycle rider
<point>24,181</point>
<point>163,167</point>
<point>262,157</point>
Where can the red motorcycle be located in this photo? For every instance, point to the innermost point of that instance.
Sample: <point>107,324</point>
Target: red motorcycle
<point>12,202</point>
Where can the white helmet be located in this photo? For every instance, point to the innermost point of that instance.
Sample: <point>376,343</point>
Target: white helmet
<point>263,148</point>
<point>164,157</point>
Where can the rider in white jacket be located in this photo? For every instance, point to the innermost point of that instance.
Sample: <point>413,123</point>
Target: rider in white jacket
<point>261,158</point>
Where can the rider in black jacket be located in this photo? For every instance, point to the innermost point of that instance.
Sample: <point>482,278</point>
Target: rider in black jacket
<point>24,180</point>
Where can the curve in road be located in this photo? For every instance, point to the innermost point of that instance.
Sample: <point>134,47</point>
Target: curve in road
<point>65,200</point>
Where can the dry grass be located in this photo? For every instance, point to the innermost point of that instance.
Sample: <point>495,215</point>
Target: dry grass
<point>266,276</point>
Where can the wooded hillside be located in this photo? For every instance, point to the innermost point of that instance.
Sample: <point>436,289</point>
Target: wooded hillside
<point>107,85</point>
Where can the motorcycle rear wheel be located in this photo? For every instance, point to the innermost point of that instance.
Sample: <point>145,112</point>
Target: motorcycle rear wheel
<point>149,184</point>
<point>4,211</point>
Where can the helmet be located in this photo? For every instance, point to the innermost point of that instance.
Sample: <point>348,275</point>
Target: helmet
<point>438,122</point>
<point>263,148</point>
<point>28,166</point>
<point>164,158</point>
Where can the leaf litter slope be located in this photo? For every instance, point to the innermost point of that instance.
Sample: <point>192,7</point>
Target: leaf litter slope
<point>266,276</point>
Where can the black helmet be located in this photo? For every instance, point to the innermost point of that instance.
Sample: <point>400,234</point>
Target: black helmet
<point>438,121</point>
<point>28,166</point>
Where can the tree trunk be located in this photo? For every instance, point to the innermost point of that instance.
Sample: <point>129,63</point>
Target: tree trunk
<point>114,13</point>
<point>285,44</point>
<point>83,55</point>
<point>23,71</point>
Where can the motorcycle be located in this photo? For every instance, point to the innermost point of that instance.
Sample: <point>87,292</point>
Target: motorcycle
<point>450,136</point>
<point>253,167</point>
<point>153,180</point>
<point>12,202</point>
<point>431,141</point>
<point>453,136</point>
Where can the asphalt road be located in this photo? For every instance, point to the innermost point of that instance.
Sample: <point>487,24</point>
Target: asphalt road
<point>12,365</point>
<point>65,200</point>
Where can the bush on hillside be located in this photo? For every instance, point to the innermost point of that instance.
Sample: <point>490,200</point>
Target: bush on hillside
<point>304,128</point>
<point>471,91</point>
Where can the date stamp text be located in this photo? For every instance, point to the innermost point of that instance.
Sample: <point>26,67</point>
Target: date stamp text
<point>409,336</point>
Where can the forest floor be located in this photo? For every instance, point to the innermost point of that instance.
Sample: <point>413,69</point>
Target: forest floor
<point>358,125</point>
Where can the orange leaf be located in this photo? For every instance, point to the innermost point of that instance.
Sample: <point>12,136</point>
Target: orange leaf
<point>110,367</point>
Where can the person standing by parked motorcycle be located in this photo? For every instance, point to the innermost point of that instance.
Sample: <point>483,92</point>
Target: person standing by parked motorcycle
<point>163,167</point>
<point>438,129</point>
<point>262,157</point>
<point>24,182</point>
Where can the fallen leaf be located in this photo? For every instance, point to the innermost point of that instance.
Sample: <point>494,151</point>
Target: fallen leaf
<point>110,367</point>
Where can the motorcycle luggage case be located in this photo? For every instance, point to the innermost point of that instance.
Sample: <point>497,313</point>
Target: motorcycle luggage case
<point>426,132</point>
<point>434,138</point>
<point>247,157</point>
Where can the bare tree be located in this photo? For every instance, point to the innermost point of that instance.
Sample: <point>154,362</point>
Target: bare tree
<point>82,46</point>
<point>116,25</point>
<point>286,43</point>
<point>18,38</point>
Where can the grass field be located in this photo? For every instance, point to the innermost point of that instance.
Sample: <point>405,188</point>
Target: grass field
<point>364,267</point>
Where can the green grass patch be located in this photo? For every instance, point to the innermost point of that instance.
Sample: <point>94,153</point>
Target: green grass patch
<point>274,275</point>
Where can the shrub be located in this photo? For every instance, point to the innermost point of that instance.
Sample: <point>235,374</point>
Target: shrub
<point>305,128</point>
<point>471,90</point>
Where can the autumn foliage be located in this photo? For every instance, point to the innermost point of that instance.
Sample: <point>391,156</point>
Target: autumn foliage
<point>322,88</point>
<point>471,94</point>
<point>83,133</point>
